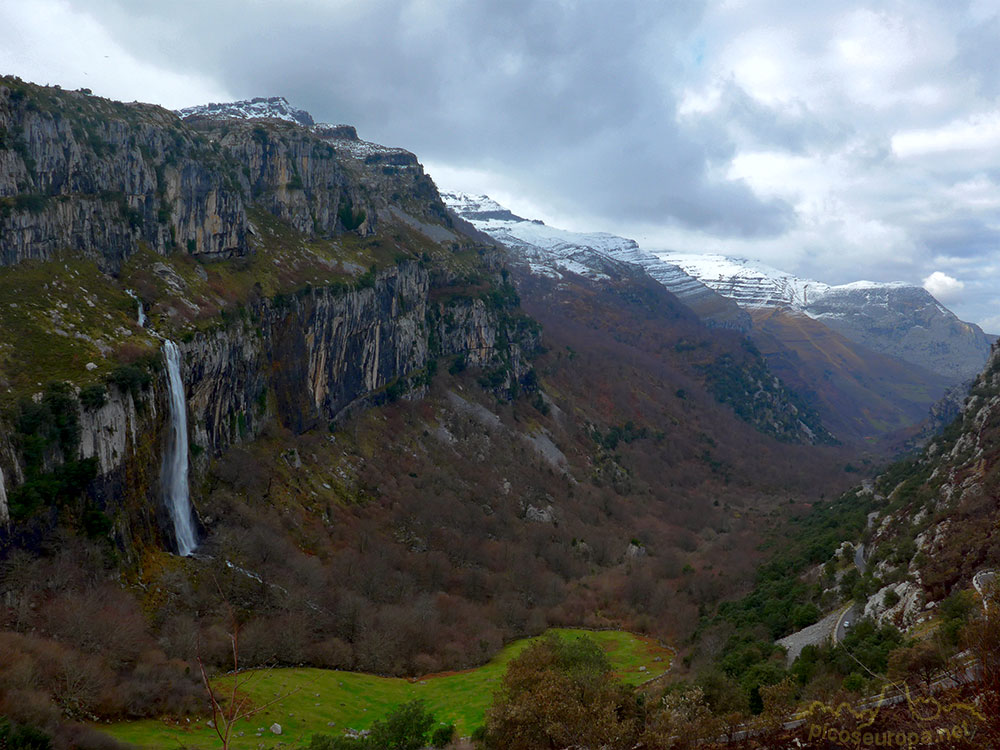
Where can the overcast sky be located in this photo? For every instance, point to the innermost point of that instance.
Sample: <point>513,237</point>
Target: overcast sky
<point>835,140</point>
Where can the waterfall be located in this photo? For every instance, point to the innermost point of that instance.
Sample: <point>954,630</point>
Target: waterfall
<point>4,515</point>
<point>174,474</point>
<point>142,313</point>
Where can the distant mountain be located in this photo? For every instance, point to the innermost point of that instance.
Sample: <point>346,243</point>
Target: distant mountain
<point>270,108</point>
<point>552,252</point>
<point>907,322</point>
<point>894,318</point>
<point>872,359</point>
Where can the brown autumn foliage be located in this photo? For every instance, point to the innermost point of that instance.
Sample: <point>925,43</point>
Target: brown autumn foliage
<point>560,693</point>
<point>73,645</point>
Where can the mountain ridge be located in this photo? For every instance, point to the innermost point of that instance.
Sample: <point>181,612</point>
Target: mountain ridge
<point>550,251</point>
<point>260,107</point>
<point>896,318</point>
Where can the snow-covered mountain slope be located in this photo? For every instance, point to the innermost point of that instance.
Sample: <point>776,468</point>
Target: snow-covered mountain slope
<point>274,107</point>
<point>894,318</point>
<point>749,284</point>
<point>551,252</point>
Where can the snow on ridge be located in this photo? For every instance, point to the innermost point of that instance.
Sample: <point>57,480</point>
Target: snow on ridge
<point>274,107</point>
<point>362,149</point>
<point>466,202</point>
<point>278,108</point>
<point>875,285</point>
<point>550,250</point>
<point>489,216</point>
<point>747,282</point>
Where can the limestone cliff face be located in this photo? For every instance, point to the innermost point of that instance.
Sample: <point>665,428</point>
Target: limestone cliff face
<point>292,174</point>
<point>10,473</point>
<point>101,178</point>
<point>111,432</point>
<point>309,358</point>
<point>306,358</point>
<point>98,178</point>
<point>303,360</point>
<point>322,180</point>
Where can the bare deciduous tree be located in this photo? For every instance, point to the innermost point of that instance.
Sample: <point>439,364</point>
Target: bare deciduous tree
<point>236,706</point>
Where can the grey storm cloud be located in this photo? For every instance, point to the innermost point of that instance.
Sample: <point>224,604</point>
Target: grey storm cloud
<point>575,98</point>
<point>977,55</point>
<point>961,237</point>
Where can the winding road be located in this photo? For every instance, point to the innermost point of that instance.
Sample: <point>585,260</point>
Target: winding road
<point>849,616</point>
<point>853,613</point>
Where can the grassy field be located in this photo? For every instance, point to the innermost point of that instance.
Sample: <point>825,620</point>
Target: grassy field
<point>328,701</point>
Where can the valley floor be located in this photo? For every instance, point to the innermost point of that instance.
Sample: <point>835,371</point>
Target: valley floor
<point>330,701</point>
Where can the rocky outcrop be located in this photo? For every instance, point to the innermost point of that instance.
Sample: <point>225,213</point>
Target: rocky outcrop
<point>4,513</point>
<point>10,474</point>
<point>110,433</point>
<point>904,607</point>
<point>940,526</point>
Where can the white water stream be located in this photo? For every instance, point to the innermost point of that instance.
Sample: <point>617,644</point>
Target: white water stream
<point>3,500</point>
<point>174,473</point>
<point>142,313</point>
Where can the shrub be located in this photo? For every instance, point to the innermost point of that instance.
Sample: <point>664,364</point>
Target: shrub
<point>405,728</point>
<point>57,487</point>
<point>367,279</point>
<point>341,742</point>
<point>131,378</point>
<point>854,683</point>
<point>350,218</point>
<point>14,737</point>
<point>32,203</point>
<point>443,735</point>
<point>93,396</point>
<point>560,693</point>
<point>395,390</point>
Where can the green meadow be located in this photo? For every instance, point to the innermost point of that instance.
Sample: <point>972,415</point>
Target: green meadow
<point>330,701</point>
